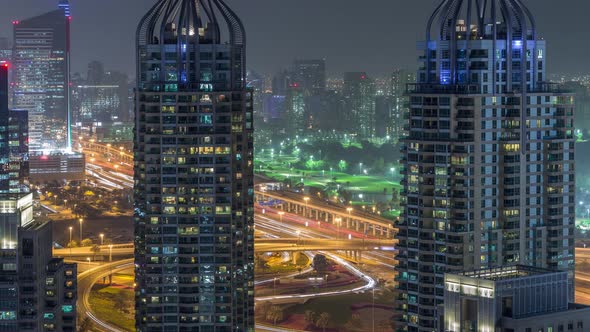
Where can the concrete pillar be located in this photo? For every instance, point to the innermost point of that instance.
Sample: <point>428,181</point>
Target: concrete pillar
<point>374,230</point>
<point>295,256</point>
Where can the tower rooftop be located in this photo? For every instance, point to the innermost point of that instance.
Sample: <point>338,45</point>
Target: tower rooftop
<point>481,19</point>
<point>212,21</point>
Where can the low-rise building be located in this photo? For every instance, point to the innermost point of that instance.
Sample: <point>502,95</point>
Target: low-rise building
<point>512,299</point>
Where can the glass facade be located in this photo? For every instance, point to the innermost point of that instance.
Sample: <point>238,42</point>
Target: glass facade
<point>488,157</point>
<point>42,76</point>
<point>193,172</point>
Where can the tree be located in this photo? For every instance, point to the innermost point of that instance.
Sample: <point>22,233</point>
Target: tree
<point>122,302</point>
<point>355,321</point>
<point>275,314</point>
<point>379,165</point>
<point>342,165</point>
<point>320,263</point>
<point>85,325</point>
<point>95,250</point>
<point>86,243</point>
<point>323,321</point>
<point>260,262</point>
<point>310,316</point>
<point>263,307</point>
<point>72,244</point>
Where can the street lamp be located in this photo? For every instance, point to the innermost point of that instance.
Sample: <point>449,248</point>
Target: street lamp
<point>101,239</point>
<point>81,220</point>
<point>88,259</point>
<point>349,209</point>
<point>110,252</point>
<point>70,243</point>
<point>360,168</point>
<point>338,221</point>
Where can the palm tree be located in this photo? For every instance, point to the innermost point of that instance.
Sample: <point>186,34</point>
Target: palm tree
<point>310,316</point>
<point>95,250</point>
<point>275,314</point>
<point>323,321</point>
<point>263,308</point>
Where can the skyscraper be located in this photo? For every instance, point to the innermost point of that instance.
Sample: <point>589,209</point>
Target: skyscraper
<point>41,76</point>
<point>5,49</point>
<point>14,149</point>
<point>489,157</point>
<point>310,75</point>
<point>397,92</point>
<point>193,171</point>
<point>359,99</point>
<point>38,292</point>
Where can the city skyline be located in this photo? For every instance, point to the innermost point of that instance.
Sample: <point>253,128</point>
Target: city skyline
<point>329,33</point>
<point>271,165</point>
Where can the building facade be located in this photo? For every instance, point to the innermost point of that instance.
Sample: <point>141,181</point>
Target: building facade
<point>193,171</point>
<point>359,100</point>
<point>488,162</point>
<point>511,299</point>
<point>400,108</point>
<point>41,77</point>
<point>310,74</point>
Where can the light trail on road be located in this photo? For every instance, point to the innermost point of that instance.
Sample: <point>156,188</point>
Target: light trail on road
<point>277,227</point>
<point>370,282</point>
<point>86,281</point>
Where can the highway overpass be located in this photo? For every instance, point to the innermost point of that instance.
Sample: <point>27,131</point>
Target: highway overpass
<point>260,245</point>
<point>345,217</point>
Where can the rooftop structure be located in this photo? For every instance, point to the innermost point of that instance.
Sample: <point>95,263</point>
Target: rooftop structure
<point>512,298</point>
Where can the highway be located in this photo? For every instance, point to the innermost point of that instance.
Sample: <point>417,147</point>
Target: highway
<point>292,224</point>
<point>370,283</point>
<point>87,279</point>
<point>261,245</point>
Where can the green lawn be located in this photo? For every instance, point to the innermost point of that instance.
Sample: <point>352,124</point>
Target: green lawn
<point>103,298</point>
<point>279,170</point>
<point>338,307</point>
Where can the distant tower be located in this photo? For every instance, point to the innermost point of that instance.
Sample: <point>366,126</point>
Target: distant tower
<point>38,291</point>
<point>359,100</point>
<point>488,162</point>
<point>41,77</point>
<point>194,223</point>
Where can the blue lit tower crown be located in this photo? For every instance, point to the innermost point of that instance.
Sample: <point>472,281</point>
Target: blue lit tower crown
<point>488,161</point>
<point>193,170</point>
<point>492,29</point>
<point>201,44</point>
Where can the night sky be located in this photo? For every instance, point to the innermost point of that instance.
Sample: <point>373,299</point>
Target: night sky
<point>353,35</point>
